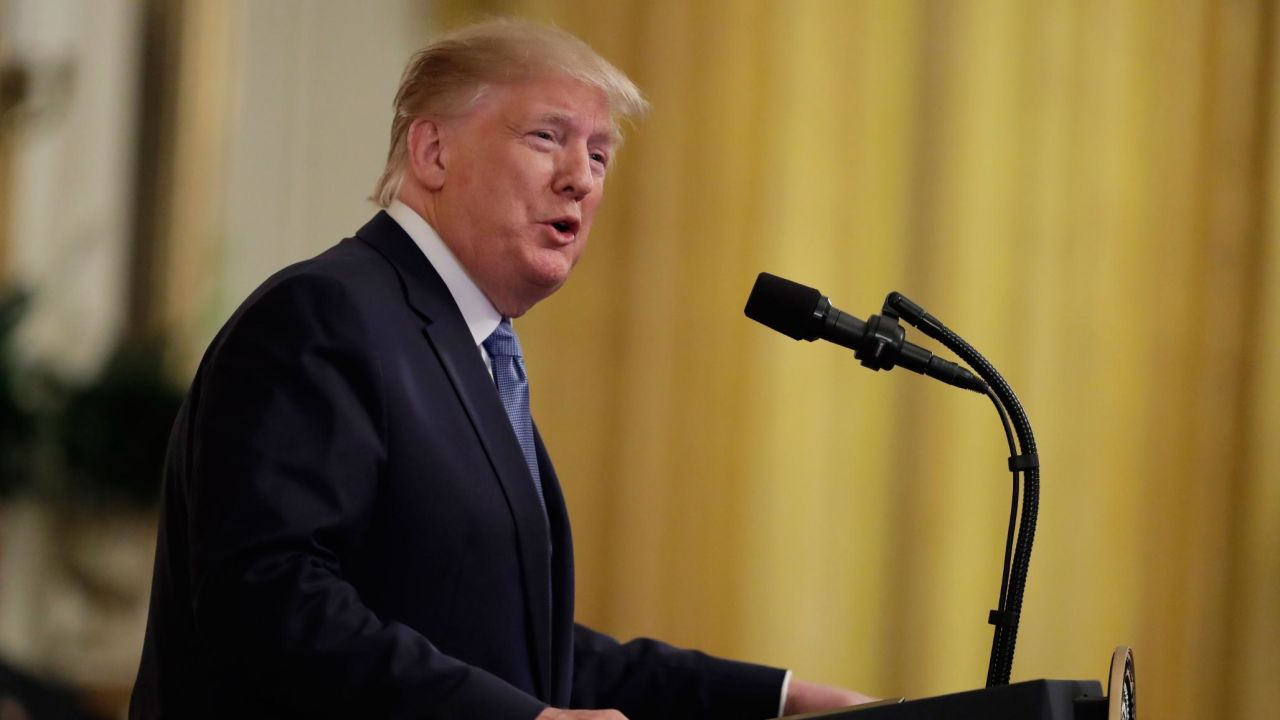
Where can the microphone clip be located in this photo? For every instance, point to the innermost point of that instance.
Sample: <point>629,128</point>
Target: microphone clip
<point>882,344</point>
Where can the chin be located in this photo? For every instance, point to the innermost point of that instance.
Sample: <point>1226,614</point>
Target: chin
<point>546,287</point>
<point>549,272</point>
<point>538,277</point>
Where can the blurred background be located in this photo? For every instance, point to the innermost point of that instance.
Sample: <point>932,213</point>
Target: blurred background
<point>1087,191</point>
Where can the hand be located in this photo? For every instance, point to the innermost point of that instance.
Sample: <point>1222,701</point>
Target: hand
<point>558,714</point>
<point>807,697</point>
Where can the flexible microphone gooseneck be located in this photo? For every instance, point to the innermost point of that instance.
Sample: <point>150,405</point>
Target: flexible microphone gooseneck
<point>803,313</point>
<point>1027,462</point>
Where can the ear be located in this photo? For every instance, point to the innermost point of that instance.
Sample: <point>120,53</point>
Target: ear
<point>426,155</point>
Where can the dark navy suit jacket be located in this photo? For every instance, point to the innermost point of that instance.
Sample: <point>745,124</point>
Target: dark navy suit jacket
<point>349,528</point>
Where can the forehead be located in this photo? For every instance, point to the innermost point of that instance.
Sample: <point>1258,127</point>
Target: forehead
<point>566,103</point>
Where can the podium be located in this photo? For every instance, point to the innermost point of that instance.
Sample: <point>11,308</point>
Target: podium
<point>1031,700</point>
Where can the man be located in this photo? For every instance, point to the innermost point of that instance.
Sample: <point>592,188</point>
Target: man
<point>360,519</point>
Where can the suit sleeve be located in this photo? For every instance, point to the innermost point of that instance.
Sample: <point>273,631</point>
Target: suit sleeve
<point>650,679</point>
<point>287,445</point>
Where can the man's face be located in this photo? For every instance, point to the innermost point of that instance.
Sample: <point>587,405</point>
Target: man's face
<point>523,175</point>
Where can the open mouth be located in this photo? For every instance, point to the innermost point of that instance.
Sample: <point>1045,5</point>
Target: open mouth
<point>565,226</point>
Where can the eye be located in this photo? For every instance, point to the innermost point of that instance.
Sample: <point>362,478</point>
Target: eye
<point>546,135</point>
<point>600,158</point>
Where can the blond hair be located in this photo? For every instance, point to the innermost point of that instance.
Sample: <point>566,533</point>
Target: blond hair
<point>447,77</point>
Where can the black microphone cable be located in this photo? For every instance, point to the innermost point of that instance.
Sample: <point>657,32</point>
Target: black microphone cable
<point>1002,602</point>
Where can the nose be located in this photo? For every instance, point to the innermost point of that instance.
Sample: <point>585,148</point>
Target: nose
<point>574,177</point>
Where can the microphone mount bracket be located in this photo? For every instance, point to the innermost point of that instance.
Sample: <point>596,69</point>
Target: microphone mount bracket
<point>882,344</point>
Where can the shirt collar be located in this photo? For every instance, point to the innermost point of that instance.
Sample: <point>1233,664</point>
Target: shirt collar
<point>481,316</point>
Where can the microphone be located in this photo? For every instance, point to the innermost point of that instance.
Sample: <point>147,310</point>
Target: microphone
<point>802,313</point>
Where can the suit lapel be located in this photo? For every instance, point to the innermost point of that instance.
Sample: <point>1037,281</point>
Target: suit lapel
<point>449,337</point>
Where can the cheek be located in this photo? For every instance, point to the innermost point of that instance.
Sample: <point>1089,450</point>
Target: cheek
<point>591,203</point>
<point>584,234</point>
<point>588,219</point>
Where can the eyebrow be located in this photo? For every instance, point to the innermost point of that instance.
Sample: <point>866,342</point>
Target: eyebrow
<point>563,120</point>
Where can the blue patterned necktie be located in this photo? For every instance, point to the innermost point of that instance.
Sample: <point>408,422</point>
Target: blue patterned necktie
<point>513,389</point>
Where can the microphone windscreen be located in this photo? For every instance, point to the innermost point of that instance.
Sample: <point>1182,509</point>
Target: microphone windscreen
<point>785,306</point>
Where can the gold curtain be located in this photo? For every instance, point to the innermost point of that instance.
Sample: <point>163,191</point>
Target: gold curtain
<point>1083,189</point>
